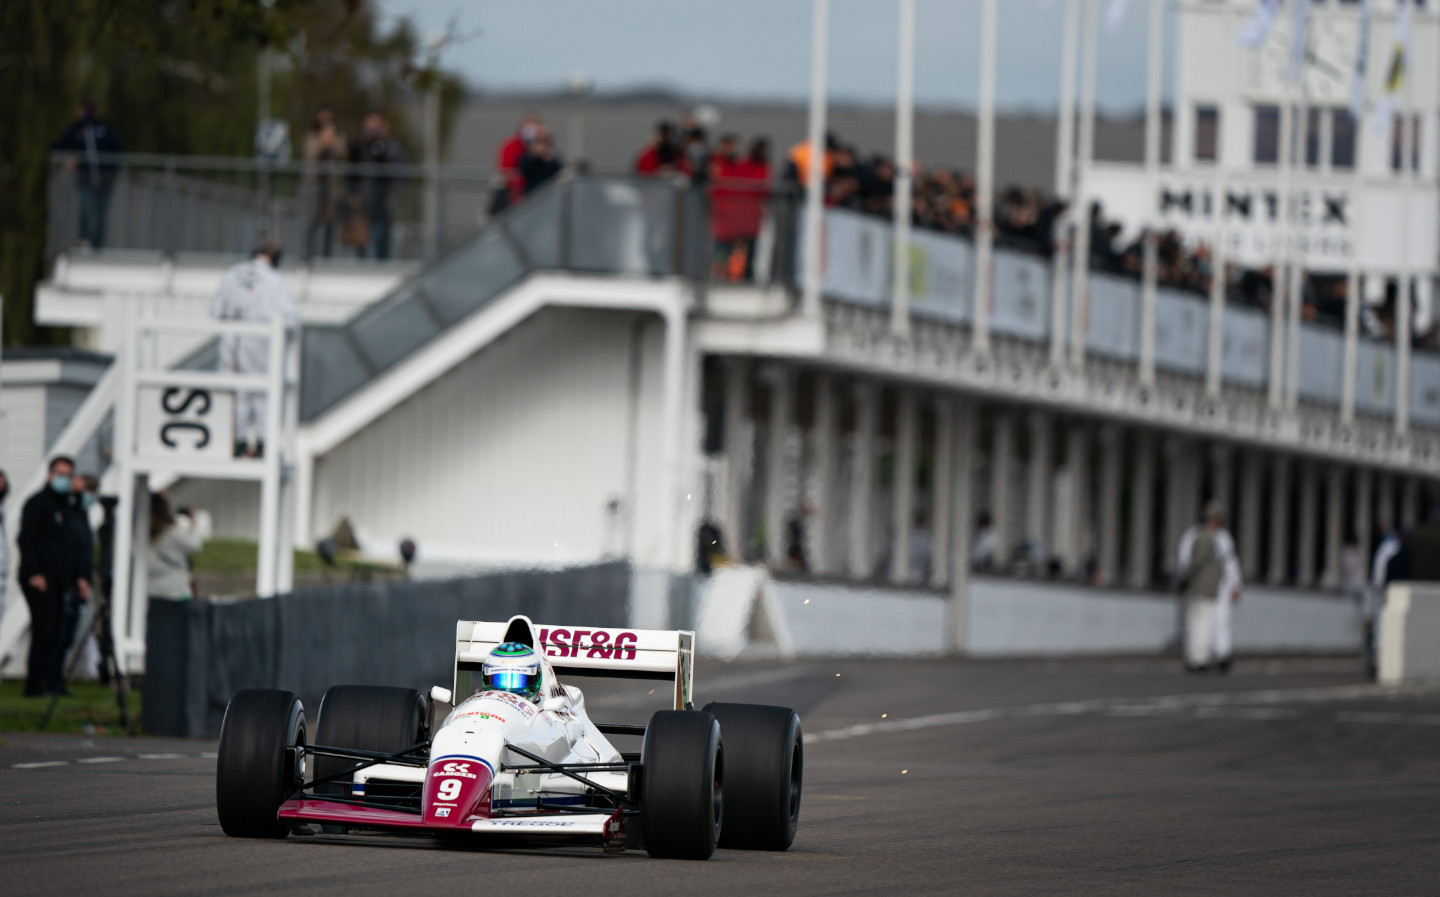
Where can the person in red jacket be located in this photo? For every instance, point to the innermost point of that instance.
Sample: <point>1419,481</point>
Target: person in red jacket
<point>738,210</point>
<point>512,153</point>
<point>664,154</point>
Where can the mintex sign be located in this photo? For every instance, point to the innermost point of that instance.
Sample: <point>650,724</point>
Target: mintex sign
<point>1324,228</point>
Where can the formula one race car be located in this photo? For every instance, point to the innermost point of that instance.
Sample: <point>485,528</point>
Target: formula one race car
<point>518,757</point>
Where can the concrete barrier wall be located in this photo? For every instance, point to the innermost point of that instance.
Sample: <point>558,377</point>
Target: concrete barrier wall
<point>1016,618</point>
<point>1409,637</point>
<point>1020,617</point>
<point>200,653</point>
<point>856,619</point>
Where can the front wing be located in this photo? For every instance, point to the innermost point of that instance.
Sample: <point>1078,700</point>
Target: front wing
<point>401,813</point>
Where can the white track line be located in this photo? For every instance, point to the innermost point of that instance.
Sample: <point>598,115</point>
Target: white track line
<point>1205,705</point>
<point>204,755</point>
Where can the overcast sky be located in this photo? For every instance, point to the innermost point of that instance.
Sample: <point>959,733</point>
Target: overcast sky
<point>759,49</point>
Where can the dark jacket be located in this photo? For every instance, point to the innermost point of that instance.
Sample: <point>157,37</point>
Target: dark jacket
<point>51,544</point>
<point>89,137</point>
<point>374,189</point>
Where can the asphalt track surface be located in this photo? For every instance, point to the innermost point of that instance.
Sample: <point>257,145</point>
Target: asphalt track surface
<point>1078,777</point>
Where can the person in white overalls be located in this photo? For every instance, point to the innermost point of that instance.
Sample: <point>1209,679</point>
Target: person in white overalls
<point>252,291</point>
<point>1211,569</point>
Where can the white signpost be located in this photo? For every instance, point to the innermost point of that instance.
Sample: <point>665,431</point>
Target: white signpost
<point>181,423</point>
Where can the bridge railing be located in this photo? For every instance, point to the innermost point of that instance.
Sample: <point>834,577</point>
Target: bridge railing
<point>210,204</point>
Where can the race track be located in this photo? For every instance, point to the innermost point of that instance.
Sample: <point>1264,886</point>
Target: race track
<point>1078,777</point>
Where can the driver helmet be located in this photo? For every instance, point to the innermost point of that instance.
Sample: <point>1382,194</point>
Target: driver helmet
<point>512,667</point>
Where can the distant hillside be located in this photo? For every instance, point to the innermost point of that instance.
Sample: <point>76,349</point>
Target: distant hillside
<point>611,131</point>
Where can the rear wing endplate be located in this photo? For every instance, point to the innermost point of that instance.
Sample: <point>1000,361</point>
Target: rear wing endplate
<point>592,651</point>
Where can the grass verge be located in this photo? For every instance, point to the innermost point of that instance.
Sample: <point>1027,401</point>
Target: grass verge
<point>90,709</point>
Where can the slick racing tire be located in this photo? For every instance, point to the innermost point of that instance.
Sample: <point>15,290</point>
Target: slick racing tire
<point>378,718</point>
<point>683,804</point>
<point>255,771</point>
<point>764,762</point>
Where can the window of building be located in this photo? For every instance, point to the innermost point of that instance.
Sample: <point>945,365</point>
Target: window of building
<point>1207,127</point>
<point>1342,139</point>
<point>1397,137</point>
<point>1267,134</point>
<point>1312,137</point>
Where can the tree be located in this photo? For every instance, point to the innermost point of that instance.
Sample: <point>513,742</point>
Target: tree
<point>175,76</point>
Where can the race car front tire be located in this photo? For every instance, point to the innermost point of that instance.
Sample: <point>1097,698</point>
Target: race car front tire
<point>378,718</point>
<point>255,770</point>
<point>683,805</point>
<point>764,758</point>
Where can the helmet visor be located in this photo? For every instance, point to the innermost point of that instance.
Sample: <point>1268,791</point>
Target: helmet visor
<point>519,682</point>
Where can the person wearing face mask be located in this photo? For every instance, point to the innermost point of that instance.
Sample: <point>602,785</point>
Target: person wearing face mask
<point>55,568</point>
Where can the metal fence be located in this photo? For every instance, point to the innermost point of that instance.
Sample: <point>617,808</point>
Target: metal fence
<point>206,204</point>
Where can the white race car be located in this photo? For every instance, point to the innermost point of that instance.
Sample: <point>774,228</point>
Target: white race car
<point>518,756</point>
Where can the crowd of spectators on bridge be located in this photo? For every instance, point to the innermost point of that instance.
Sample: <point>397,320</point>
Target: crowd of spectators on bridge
<point>943,199</point>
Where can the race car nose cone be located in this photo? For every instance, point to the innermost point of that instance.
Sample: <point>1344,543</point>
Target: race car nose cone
<point>456,788</point>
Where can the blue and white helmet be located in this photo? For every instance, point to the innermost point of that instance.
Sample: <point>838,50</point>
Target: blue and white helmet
<point>514,668</point>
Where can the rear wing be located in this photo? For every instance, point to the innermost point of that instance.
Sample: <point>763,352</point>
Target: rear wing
<point>588,651</point>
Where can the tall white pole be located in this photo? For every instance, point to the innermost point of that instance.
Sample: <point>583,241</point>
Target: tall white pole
<point>1407,274</point>
<point>815,174</point>
<point>1352,269</point>
<point>1080,294</point>
<point>1294,254</point>
<point>1275,392</point>
<point>1219,208</point>
<point>1064,183</point>
<point>904,162</point>
<point>985,181</point>
<point>1150,271</point>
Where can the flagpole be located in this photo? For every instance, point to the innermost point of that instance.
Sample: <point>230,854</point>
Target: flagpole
<point>1219,209</point>
<point>904,162</point>
<point>1065,183</point>
<point>815,174</point>
<point>1150,270</point>
<point>1279,281</point>
<point>1357,187</point>
<point>985,179</point>
<point>1080,310</point>
<point>1296,256</point>
<point>1407,274</point>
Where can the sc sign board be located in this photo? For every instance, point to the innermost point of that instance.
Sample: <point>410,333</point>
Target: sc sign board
<point>185,423</point>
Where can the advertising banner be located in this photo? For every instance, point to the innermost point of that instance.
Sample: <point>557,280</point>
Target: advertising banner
<point>1425,389</point>
<point>942,276</point>
<point>1327,209</point>
<point>1181,329</point>
<point>1375,377</point>
<point>1114,326</point>
<point>1246,349</point>
<point>1322,363</point>
<point>1021,296</point>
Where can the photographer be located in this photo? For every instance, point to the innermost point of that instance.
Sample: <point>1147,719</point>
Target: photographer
<point>55,567</point>
<point>175,538</point>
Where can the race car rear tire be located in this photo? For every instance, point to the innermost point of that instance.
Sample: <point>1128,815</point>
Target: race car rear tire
<point>765,762</point>
<point>379,718</point>
<point>683,804</point>
<point>255,771</point>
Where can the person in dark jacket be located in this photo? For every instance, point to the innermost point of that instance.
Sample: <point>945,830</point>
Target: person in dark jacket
<point>87,138</point>
<point>370,191</point>
<point>540,162</point>
<point>55,569</point>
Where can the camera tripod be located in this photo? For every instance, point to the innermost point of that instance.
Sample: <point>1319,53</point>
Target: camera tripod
<point>110,668</point>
